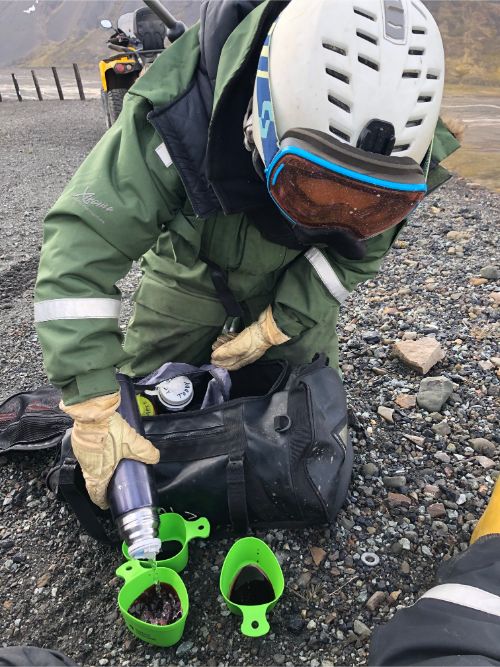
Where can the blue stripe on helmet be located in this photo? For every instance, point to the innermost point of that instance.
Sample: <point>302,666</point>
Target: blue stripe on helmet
<point>331,166</point>
<point>269,137</point>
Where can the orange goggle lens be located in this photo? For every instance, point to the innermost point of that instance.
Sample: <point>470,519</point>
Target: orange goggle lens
<point>313,196</point>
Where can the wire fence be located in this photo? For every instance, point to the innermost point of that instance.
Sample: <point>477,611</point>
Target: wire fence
<point>49,83</point>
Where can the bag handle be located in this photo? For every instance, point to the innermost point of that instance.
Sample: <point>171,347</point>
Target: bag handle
<point>235,474</point>
<point>81,503</point>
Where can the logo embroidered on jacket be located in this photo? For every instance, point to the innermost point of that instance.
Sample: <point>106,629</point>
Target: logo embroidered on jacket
<point>89,199</point>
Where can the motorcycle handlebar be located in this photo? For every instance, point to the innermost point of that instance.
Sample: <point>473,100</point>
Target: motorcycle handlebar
<point>175,28</point>
<point>120,49</point>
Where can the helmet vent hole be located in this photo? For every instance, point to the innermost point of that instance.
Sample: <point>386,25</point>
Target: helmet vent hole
<point>338,103</point>
<point>425,98</point>
<point>337,75</point>
<point>401,148</point>
<point>414,122</point>
<point>338,133</point>
<point>368,38</point>
<point>334,48</point>
<point>364,14</point>
<point>416,52</point>
<point>419,31</point>
<point>409,74</point>
<point>432,75</point>
<point>368,63</point>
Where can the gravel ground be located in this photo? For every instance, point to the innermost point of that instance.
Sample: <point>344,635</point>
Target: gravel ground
<point>57,586</point>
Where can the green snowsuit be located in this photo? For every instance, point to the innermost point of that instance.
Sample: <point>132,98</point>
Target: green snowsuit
<point>128,202</point>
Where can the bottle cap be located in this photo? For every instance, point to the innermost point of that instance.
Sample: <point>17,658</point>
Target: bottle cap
<point>176,393</point>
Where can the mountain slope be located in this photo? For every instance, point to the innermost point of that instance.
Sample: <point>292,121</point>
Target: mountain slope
<point>59,32</point>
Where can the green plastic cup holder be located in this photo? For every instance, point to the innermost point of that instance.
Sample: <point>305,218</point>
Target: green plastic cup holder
<point>255,552</point>
<point>137,580</point>
<point>174,528</point>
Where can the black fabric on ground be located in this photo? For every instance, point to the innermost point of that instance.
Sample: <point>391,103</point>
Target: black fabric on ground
<point>32,420</point>
<point>19,656</point>
<point>434,632</point>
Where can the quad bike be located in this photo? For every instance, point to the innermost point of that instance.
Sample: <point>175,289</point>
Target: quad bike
<point>139,38</point>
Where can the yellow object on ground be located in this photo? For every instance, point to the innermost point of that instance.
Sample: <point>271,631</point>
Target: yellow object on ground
<point>100,439</point>
<point>250,344</point>
<point>489,523</point>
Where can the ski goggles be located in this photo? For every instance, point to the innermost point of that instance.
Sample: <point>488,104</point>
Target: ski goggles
<point>319,182</point>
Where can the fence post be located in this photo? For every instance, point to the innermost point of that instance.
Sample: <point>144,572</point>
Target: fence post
<point>0,97</point>
<point>37,87</point>
<point>16,86</point>
<point>58,83</point>
<point>79,81</point>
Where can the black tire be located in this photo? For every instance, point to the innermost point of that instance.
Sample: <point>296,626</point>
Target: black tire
<point>105,109</point>
<point>115,103</point>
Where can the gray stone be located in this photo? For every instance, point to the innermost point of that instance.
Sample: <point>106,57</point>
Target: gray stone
<point>442,456</point>
<point>485,462</point>
<point>490,272</point>
<point>442,429</point>
<point>394,481</point>
<point>279,659</point>
<point>295,625</point>
<point>483,446</point>
<point>376,600</point>
<point>184,648</point>
<point>370,470</point>
<point>434,392</point>
<point>304,579</point>
<point>361,629</point>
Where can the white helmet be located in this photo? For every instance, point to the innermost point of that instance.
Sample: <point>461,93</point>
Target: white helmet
<point>335,65</point>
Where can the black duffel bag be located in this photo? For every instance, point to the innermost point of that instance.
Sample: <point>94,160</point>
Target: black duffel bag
<point>276,454</point>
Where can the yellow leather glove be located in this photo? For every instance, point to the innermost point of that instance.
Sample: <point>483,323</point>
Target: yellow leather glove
<point>249,345</point>
<point>100,439</point>
<point>489,523</point>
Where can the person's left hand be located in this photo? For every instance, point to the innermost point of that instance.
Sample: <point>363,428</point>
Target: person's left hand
<point>233,351</point>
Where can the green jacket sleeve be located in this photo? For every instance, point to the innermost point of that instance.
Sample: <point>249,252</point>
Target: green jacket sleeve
<point>111,212</point>
<point>321,279</point>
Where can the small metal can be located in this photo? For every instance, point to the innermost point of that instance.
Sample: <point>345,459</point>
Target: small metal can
<point>175,394</point>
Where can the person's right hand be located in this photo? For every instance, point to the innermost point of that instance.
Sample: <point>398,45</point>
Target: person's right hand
<point>100,439</point>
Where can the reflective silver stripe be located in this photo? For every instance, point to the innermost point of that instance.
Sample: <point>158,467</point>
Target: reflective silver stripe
<point>76,309</point>
<point>326,274</point>
<point>466,596</point>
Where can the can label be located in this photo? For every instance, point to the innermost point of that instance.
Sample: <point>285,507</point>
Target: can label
<point>146,407</point>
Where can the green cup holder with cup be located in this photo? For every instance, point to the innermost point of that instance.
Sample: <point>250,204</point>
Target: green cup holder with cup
<point>175,533</point>
<point>138,580</point>
<point>251,583</point>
